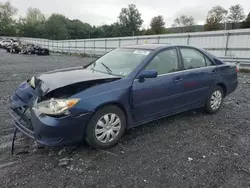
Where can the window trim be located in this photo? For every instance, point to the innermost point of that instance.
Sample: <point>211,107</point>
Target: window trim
<point>160,51</point>
<point>206,57</point>
<point>196,49</point>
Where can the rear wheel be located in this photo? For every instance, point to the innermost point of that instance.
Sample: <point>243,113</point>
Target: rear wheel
<point>106,127</point>
<point>214,100</point>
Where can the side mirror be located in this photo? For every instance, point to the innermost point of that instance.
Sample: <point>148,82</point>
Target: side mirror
<point>148,74</point>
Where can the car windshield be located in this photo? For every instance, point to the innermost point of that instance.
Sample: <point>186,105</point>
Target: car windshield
<point>120,61</point>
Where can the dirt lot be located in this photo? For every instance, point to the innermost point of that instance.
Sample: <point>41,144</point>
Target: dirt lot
<point>191,149</point>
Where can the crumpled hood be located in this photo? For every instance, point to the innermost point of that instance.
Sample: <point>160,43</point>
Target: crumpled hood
<point>52,80</point>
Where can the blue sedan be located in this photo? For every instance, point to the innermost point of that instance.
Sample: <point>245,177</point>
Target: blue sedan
<point>126,87</point>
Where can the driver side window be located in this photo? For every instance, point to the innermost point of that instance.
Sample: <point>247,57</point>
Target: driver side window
<point>164,62</point>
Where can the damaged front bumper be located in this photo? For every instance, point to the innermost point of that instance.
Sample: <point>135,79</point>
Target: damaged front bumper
<point>46,130</point>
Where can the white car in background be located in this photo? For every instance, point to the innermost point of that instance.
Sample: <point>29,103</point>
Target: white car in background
<point>5,43</point>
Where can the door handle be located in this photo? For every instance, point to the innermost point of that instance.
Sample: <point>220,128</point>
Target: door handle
<point>212,72</point>
<point>178,79</point>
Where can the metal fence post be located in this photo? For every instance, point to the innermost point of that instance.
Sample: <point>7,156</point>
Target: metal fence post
<point>84,46</point>
<point>69,47</point>
<point>62,46</point>
<point>119,40</point>
<point>75,46</point>
<point>52,45</point>
<point>94,47</point>
<point>188,37</point>
<point>137,40</point>
<point>226,47</point>
<point>105,45</point>
<point>158,40</point>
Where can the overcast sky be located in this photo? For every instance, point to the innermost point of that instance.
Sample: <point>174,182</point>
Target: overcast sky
<point>98,12</point>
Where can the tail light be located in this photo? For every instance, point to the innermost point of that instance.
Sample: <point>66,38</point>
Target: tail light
<point>237,67</point>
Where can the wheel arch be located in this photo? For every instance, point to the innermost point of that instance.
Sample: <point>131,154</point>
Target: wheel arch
<point>223,87</point>
<point>117,104</point>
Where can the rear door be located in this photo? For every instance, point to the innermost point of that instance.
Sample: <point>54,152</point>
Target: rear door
<point>199,74</point>
<point>161,95</point>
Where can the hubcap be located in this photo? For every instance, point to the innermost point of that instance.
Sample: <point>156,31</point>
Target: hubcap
<point>107,128</point>
<point>216,99</point>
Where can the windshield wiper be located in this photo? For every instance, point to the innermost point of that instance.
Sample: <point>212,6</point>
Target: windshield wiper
<point>107,68</point>
<point>92,68</point>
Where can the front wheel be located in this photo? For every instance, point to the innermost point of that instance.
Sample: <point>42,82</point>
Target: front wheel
<point>106,127</point>
<point>214,100</point>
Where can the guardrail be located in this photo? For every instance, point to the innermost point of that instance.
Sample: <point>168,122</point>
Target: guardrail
<point>244,63</point>
<point>233,43</point>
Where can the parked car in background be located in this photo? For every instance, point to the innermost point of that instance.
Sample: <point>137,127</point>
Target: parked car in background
<point>14,47</point>
<point>126,87</point>
<point>34,49</point>
<point>5,43</point>
<point>42,51</point>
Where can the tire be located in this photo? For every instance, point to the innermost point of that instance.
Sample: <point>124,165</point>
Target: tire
<point>215,95</point>
<point>99,126</point>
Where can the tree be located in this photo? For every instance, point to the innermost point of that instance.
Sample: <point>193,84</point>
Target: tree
<point>215,18</point>
<point>246,23</point>
<point>183,21</point>
<point>77,29</point>
<point>236,14</point>
<point>113,30</point>
<point>55,27</point>
<point>130,19</point>
<point>7,23</point>
<point>33,24</point>
<point>157,25</point>
<point>186,22</point>
<point>34,16</point>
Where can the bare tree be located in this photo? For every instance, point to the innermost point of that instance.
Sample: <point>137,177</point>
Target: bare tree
<point>183,21</point>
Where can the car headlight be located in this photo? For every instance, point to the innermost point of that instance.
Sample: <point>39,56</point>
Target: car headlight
<point>55,106</point>
<point>32,82</point>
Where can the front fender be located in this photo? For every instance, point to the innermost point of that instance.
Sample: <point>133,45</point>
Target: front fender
<point>91,103</point>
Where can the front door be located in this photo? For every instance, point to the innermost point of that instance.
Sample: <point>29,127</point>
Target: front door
<point>199,75</point>
<point>161,95</point>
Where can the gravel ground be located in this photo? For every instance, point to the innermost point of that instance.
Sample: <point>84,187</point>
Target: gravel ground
<point>191,149</point>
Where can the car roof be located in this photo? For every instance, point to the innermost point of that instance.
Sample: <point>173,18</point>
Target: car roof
<point>148,46</point>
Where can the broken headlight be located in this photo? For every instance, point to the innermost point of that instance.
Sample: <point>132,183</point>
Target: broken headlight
<point>32,82</point>
<point>55,106</point>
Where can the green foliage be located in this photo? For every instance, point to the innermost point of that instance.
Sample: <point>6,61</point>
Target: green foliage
<point>130,20</point>
<point>32,25</point>
<point>215,17</point>
<point>246,23</point>
<point>56,27</point>
<point>7,23</point>
<point>236,14</point>
<point>77,29</point>
<point>157,25</point>
<point>185,22</point>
